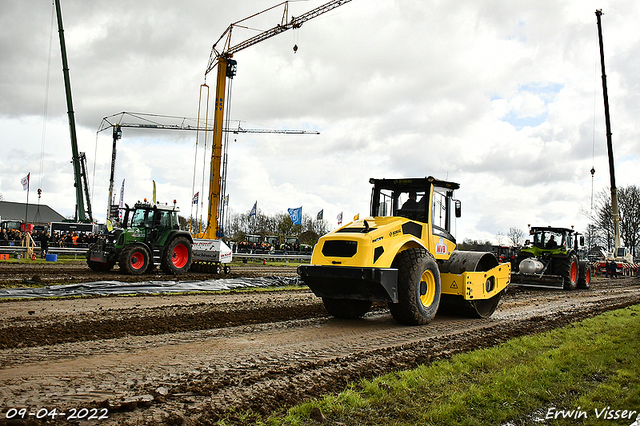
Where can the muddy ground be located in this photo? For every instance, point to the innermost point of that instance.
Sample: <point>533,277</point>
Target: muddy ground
<point>194,359</point>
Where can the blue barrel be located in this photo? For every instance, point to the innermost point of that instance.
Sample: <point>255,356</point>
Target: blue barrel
<point>52,257</point>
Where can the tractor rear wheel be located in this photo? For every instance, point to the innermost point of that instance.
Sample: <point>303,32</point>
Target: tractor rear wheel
<point>568,268</point>
<point>177,257</point>
<point>134,259</point>
<point>346,308</point>
<point>418,288</point>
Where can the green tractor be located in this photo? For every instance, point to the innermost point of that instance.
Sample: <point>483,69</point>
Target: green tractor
<point>552,258</point>
<point>151,237</point>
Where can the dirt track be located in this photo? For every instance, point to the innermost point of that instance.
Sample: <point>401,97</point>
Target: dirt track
<point>192,359</point>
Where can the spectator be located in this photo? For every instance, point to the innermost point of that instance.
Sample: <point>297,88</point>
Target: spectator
<point>611,269</point>
<point>44,243</point>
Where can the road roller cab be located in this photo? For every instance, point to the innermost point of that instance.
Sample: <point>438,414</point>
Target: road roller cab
<point>404,254</point>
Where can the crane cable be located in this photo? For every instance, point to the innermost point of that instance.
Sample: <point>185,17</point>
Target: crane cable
<point>45,112</point>
<point>223,175</point>
<point>195,160</point>
<point>204,165</point>
<point>593,147</point>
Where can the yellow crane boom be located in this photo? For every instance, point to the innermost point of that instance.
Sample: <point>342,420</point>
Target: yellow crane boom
<point>226,69</point>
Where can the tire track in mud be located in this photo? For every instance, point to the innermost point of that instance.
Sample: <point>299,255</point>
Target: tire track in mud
<point>195,377</point>
<point>266,390</point>
<point>149,322</point>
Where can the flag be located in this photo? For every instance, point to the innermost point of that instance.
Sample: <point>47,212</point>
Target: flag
<point>25,182</point>
<point>195,197</point>
<point>296,215</point>
<point>226,200</point>
<point>340,219</point>
<point>320,214</point>
<point>154,192</point>
<point>253,209</point>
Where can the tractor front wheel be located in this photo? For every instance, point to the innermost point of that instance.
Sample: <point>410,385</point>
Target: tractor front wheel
<point>134,259</point>
<point>569,271</point>
<point>177,257</point>
<point>418,288</point>
<point>584,278</point>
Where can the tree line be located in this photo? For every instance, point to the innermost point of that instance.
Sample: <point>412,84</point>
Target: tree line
<point>239,225</point>
<point>599,232</point>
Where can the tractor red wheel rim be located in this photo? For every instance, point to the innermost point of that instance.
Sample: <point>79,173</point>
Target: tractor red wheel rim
<point>574,272</point>
<point>180,255</point>
<point>137,260</point>
<point>588,277</point>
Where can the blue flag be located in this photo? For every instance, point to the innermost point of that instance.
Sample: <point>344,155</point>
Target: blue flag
<point>253,210</point>
<point>296,215</point>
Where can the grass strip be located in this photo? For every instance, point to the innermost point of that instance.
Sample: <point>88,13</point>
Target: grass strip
<point>587,373</point>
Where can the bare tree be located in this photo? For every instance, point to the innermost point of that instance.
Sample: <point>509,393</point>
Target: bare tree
<point>629,201</point>
<point>602,218</point>
<point>516,236</point>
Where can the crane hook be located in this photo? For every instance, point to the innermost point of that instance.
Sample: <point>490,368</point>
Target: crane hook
<point>295,48</point>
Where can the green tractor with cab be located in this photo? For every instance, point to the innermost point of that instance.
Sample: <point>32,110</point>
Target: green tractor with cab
<point>149,236</point>
<point>552,257</point>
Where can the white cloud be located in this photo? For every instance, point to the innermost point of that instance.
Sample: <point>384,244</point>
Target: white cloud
<point>502,97</point>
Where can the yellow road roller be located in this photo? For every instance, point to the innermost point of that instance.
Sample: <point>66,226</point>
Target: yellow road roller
<point>405,254</point>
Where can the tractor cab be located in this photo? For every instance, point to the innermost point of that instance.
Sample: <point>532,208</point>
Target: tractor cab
<point>561,239</point>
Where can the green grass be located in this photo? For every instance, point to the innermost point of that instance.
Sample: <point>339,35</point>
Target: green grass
<point>586,366</point>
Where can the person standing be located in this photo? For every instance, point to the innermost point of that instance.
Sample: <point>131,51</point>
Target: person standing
<point>44,243</point>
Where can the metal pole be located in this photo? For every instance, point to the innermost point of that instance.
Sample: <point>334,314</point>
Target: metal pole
<point>607,119</point>
<point>80,212</point>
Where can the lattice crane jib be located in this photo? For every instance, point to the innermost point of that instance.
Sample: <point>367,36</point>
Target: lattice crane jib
<point>222,59</point>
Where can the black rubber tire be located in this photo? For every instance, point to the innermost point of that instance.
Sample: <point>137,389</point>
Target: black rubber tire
<point>456,305</point>
<point>227,270</point>
<point>346,308</point>
<point>568,268</point>
<point>134,259</point>
<point>418,287</point>
<point>584,276</point>
<point>177,257</point>
<point>99,266</point>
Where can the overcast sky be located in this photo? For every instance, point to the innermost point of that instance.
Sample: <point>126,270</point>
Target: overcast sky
<point>502,97</point>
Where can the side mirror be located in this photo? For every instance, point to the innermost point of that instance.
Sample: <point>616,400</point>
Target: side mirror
<point>458,208</point>
<point>582,240</point>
